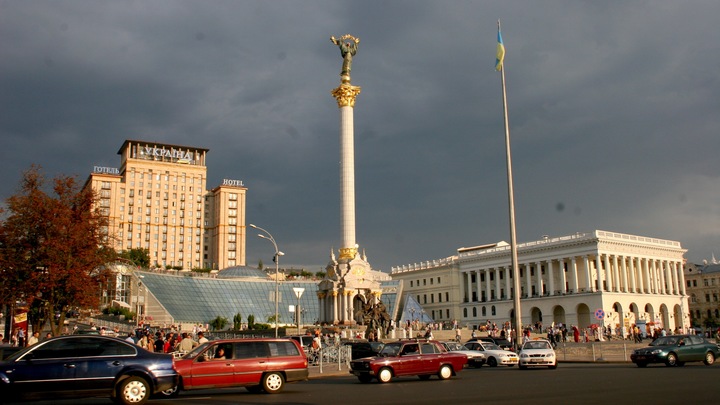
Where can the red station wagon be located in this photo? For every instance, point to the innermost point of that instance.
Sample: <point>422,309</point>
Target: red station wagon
<point>423,358</point>
<point>262,364</point>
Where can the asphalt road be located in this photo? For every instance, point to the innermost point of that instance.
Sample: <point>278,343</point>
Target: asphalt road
<point>576,383</point>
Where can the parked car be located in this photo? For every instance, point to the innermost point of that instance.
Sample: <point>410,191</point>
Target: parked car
<point>502,343</point>
<point>261,364</point>
<point>537,353</point>
<point>676,350</point>
<point>423,358</point>
<point>475,358</point>
<point>494,355</point>
<point>86,366</point>
<point>363,348</point>
<point>86,332</point>
<point>304,340</point>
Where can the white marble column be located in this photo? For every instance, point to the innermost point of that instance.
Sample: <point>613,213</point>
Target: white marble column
<point>623,270</point>
<point>563,279</point>
<point>586,263</point>
<point>528,280</point>
<point>631,269</point>
<point>478,285</point>
<point>640,275</point>
<point>539,283</point>
<point>681,279</point>
<point>573,275</point>
<point>508,295</point>
<point>551,277</point>
<point>498,296</point>
<point>616,276</point>
<point>608,273</point>
<point>469,286</point>
<point>598,269</point>
<point>674,273</point>
<point>487,284</point>
<point>335,306</point>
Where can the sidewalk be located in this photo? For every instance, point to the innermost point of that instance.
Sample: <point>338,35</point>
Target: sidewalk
<point>328,370</point>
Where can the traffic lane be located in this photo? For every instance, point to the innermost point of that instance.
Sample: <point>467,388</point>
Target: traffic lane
<point>587,383</point>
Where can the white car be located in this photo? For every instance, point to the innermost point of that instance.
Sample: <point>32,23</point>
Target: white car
<point>494,354</point>
<point>474,357</point>
<point>536,353</point>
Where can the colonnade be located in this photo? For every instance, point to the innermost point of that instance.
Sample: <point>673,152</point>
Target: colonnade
<point>338,306</point>
<point>574,275</point>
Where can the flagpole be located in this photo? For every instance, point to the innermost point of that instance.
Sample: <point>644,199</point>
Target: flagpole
<point>511,207</point>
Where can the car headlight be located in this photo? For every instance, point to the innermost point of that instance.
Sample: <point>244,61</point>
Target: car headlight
<point>523,355</point>
<point>550,355</point>
<point>656,351</point>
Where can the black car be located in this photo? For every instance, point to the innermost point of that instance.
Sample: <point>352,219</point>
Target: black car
<point>503,343</point>
<point>86,366</point>
<point>363,348</point>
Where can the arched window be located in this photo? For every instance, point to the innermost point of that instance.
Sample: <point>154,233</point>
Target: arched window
<point>464,312</point>
<point>492,310</point>
<point>475,312</point>
<point>484,311</point>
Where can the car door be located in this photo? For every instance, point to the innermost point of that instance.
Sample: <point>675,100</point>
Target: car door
<point>46,368</point>
<point>695,348</point>
<point>409,360</point>
<point>99,361</point>
<point>430,357</point>
<point>210,372</point>
<point>250,362</point>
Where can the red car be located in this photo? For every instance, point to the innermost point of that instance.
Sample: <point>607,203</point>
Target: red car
<point>261,364</point>
<point>423,358</point>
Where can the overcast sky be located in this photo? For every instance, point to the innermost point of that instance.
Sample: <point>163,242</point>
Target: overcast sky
<point>614,110</point>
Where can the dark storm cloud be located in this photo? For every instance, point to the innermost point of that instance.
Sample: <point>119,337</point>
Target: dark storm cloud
<point>612,106</point>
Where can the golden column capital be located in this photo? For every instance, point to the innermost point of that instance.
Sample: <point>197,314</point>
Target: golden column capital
<point>348,253</point>
<point>321,295</point>
<point>345,95</point>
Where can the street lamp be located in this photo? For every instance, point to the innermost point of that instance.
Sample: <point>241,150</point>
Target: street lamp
<point>276,259</point>
<point>298,293</point>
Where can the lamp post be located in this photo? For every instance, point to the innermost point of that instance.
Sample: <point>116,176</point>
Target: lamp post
<point>276,259</point>
<point>298,293</point>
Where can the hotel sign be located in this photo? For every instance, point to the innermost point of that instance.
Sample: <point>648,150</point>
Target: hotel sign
<point>106,170</point>
<point>232,183</point>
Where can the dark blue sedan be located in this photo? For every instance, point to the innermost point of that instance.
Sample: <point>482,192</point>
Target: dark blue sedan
<point>86,365</point>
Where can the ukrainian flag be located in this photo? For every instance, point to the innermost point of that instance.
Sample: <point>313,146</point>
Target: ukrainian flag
<point>500,51</point>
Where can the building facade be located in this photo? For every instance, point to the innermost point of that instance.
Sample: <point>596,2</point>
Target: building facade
<point>602,278</point>
<point>157,199</point>
<point>703,288</point>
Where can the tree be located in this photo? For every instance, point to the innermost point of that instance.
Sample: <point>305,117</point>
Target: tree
<point>139,256</point>
<point>219,323</point>
<point>53,248</point>
<point>237,321</point>
<point>261,266</point>
<point>251,322</point>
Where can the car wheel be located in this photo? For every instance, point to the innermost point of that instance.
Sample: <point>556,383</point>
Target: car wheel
<point>364,378</point>
<point>492,362</point>
<point>445,372</point>
<point>133,390</point>
<point>553,367</point>
<point>273,382</point>
<point>384,375</point>
<point>671,360</point>
<point>709,359</point>
<point>255,389</point>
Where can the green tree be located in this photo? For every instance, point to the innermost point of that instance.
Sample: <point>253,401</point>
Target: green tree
<point>53,248</point>
<point>261,266</point>
<point>251,322</point>
<point>237,321</point>
<point>139,256</point>
<point>219,323</point>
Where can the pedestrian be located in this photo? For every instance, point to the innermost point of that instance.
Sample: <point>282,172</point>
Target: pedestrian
<point>458,334</point>
<point>21,337</point>
<point>33,339</point>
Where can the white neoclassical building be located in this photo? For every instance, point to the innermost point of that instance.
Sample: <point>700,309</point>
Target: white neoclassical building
<point>604,278</point>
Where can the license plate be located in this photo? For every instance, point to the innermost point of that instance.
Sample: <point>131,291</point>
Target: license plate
<point>536,361</point>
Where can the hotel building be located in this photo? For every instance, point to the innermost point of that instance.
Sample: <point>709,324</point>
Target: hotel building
<point>158,200</point>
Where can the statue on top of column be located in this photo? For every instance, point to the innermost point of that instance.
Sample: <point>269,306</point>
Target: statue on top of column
<point>348,45</point>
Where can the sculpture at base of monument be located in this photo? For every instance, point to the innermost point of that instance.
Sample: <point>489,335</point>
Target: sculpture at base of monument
<point>376,319</point>
<point>348,45</point>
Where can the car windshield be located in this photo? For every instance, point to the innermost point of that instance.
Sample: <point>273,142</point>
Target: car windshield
<point>196,351</point>
<point>390,349</point>
<point>491,346</point>
<point>536,345</point>
<point>665,341</point>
